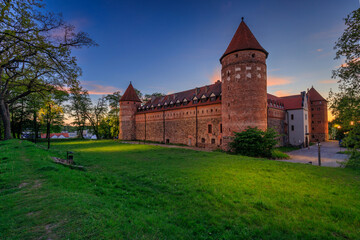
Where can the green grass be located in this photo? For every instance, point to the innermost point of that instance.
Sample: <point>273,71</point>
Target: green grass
<point>277,154</point>
<point>287,149</point>
<point>149,192</point>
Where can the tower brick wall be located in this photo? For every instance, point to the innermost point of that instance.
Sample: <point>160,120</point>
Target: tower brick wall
<point>127,120</point>
<point>318,121</point>
<point>244,95</point>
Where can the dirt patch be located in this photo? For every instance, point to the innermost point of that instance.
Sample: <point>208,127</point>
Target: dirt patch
<point>37,184</point>
<point>24,184</point>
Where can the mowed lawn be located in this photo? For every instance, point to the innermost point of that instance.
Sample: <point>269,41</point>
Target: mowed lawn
<point>150,192</point>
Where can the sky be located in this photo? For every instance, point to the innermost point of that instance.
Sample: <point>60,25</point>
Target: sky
<point>171,46</point>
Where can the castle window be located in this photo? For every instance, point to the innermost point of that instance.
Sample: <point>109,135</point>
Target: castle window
<point>203,140</point>
<point>305,116</point>
<point>292,127</point>
<point>236,55</point>
<point>312,109</point>
<point>312,129</point>
<point>185,101</point>
<point>209,128</point>
<point>220,141</point>
<point>220,127</point>
<point>213,141</point>
<point>195,101</point>
<point>292,116</point>
<point>319,121</point>
<point>253,55</point>
<point>312,121</point>
<point>318,109</point>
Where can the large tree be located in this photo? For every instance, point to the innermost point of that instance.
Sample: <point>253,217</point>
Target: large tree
<point>345,104</point>
<point>35,53</point>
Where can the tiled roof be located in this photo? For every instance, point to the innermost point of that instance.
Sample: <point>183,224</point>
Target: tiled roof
<point>292,102</point>
<point>212,94</point>
<point>185,98</point>
<point>243,39</point>
<point>130,95</point>
<point>315,95</point>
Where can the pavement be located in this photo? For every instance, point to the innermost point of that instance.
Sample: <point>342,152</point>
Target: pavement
<point>329,154</point>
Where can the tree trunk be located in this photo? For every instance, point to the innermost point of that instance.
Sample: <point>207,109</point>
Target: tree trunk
<point>35,127</point>
<point>5,116</point>
<point>48,133</point>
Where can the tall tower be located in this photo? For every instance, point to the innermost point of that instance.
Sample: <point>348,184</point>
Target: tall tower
<point>244,92</point>
<point>129,103</point>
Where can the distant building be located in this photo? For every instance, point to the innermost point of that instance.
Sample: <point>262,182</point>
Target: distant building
<point>208,116</point>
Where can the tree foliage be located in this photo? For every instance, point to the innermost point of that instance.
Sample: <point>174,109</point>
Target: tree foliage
<point>345,104</point>
<point>35,53</point>
<point>254,142</point>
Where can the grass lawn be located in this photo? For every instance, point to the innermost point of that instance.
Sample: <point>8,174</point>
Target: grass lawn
<point>150,192</point>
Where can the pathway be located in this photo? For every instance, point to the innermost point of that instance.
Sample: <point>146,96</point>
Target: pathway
<point>329,154</point>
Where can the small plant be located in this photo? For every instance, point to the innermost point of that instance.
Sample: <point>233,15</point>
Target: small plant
<point>254,142</point>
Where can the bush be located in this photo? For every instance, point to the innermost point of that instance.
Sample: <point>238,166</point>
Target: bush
<point>354,160</point>
<point>276,154</point>
<point>254,142</point>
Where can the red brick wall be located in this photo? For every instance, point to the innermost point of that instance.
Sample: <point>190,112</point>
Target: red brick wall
<point>276,120</point>
<point>180,126</point>
<point>318,121</point>
<point>127,120</point>
<point>244,94</point>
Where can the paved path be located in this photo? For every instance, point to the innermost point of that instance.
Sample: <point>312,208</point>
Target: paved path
<point>329,155</point>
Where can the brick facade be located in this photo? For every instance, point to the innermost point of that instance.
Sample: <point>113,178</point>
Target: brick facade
<point>208,116</point>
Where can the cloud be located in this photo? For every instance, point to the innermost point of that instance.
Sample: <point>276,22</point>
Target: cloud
<point>97,89</point>
<point>276,81</point>
<point>273,70</point>
<point>215,76</point>
<point>328,81</point>
<point>282,93</point>
<point>331,33</point>
<point>319,50</point>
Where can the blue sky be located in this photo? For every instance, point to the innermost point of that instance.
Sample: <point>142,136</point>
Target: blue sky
<point>170,46</point>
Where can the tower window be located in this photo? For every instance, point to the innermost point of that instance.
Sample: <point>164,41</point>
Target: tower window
<point>292,116</point>
<point>203,140</point>
<point>236,55</point>
<point>253,55</point>
<point>209,128</point>
<point>292,127</point>
<point>220,127</point>
<point>213,141</point>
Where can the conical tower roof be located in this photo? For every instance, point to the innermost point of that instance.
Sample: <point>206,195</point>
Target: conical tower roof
<point>130,95</point>
<point>243,39</point>
<point>315,95</point>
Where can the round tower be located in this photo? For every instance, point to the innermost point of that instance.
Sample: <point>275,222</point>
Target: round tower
<point>244,84</point>
<point>129,104</point>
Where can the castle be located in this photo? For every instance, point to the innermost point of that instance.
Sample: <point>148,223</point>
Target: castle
<point>208,116</point>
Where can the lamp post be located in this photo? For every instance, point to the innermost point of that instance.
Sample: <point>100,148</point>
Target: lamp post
<point>319,154</point>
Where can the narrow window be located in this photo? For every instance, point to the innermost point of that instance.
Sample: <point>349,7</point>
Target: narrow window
<point>203,140</point>
<point>213,141</point>
<point>305,116</point>
<point>209,128</point>
<point>220,127</point>
<point>292,127</point>
<point>292,116</point>
<point>220,141</point>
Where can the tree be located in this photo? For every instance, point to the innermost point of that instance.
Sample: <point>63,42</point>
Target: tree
<point>345,104</point>
<point>35,53</point>
<point>96,115</point>
<point>79,108</point>
<point>113,114</point>
<point>148,97</point>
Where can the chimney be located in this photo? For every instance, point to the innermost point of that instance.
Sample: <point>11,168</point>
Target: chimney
<point>197,90</point>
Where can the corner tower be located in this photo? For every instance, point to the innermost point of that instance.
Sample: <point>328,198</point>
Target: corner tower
<point>129,103</point>
<point>244,84</point>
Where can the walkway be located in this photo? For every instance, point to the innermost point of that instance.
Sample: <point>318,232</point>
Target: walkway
<point>329,154</point>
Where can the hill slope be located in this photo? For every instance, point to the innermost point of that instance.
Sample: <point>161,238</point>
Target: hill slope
<point>150,192</point>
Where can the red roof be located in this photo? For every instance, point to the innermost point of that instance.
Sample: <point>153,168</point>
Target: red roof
<point>130,95</point>
<point>65,135</point>
<point>315,95</point>
<point>293,102</point>
<point>243,39</point>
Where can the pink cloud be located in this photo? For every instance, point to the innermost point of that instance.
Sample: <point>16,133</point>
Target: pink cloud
<point>97,89</point>
<point>276,81</point>
<point>215,76</point>
<point>328,81</point>
<point>282,93</point>
<point>319,50</point>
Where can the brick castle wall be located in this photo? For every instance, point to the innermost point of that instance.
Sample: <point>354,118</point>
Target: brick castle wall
<point>244,94</point>
<point>127,120</point>
<point>189,126</point>
<point>276,121</point>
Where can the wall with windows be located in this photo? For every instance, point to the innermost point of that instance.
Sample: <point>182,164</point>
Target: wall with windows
<point>298,126</point>
<point>318,121</point>
<point>276,121</point>
<point>181,126</point>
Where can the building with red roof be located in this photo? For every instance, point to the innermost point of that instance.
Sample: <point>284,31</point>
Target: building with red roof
<point>208,116</point>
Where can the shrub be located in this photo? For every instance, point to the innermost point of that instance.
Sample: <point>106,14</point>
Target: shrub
<point>276,154</point>
<point>254,142</point>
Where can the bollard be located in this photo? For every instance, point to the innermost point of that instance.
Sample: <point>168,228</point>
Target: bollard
<point>319,154</point>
